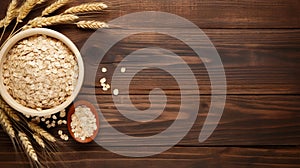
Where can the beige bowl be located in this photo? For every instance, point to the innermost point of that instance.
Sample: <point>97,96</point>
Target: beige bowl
<point>50,33</point>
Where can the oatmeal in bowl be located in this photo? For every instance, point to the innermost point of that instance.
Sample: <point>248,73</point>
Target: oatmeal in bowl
<point>41,72</point>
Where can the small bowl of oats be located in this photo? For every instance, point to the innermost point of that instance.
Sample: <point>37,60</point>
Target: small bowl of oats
<point>41,72</point>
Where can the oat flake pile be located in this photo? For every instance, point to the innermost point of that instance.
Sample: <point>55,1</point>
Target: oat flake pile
<point>40,72</point>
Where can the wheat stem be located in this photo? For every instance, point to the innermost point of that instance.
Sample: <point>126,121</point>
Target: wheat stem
<point>54,6</point>
<point>2,35</point>
<point>87,7</point>
<point>28,146</point>
<point>41,132</point>
<point>6,124</point>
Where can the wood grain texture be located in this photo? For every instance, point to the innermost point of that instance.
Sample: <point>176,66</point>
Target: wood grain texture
<point>217,14</point>
<point>255,61</point>
<point>247,120</point>
<point>276,119</point>
<point>259,44</point>
<point>186,157</point>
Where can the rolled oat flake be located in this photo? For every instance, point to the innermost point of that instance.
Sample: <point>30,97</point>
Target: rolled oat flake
<point>83,122</point>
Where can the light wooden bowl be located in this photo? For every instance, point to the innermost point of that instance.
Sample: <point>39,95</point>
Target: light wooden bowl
<point>50,33</point>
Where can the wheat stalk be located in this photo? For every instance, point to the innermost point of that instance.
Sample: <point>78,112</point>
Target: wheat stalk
<point>27,6</point>
<point>38,139</point>
<point>49,21</point>
<point>6,124</point>
<point>54,6</point>
<point>41,132</point>
<point>91,24</point>
<point>2,22</point>
<point>8,110</point>
<point>87,7</point>
<point>27,146</point>
<point>10,13</point>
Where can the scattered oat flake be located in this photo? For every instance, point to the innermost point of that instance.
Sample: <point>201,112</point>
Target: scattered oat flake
<point>83,122</point>
<point>123,69</point>
<point>102,80</point>
<point>116,92</point>
<point>104,70</point>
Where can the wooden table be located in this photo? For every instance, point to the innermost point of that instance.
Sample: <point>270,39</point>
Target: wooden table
<point>259,44</point>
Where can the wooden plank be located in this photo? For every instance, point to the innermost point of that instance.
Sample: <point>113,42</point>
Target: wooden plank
<point>259,61</point>
<point>175,157</point>
<point>206,13</point>
<point>216,14</point>
<point>246,120</point>
<point>255,61</point>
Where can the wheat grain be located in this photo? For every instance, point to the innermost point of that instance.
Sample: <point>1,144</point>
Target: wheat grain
<point>41,132</point>
<point>6,124</point>
<point>49,21</point>
<point>11,12</point>
<point>8,110</point>
<point>54,6</point>
<point>91,24</point>
<point>2,22</point>
<point>38,139</point>
<point>27,146</point>
<point>87,7</point>
<point>27,6</point>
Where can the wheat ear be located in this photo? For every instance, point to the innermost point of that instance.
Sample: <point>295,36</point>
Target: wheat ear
<point>26,7</point>
<point>41,132</point>
<point>91,24</point>
<point>10,13</point>
<point>2,22</point>
<point>49,21</point>
<point>38,139</point>
<point>6,124</point>
<point>87,7</point>
<point>8,110</point>
<point>54,6</point>
<point>27,146</point>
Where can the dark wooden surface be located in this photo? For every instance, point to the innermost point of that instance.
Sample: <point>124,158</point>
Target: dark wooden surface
<point>259,44</point>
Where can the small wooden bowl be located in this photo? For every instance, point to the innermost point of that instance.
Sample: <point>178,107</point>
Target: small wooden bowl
<point>94,111</point>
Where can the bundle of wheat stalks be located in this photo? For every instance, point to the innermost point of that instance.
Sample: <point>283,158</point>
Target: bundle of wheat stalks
<point>69,16</point>
<point>26,135</point>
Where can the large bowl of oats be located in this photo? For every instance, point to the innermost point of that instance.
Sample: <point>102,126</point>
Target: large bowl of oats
<point>41,72</point>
